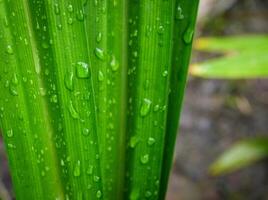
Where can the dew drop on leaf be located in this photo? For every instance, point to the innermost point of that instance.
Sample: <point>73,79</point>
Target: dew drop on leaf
<point>165,73</point>
<point>10,50</point>
<point>114,64</point>
<point>99,37</point>
<point>98,194</point>
<point>77,169</point>
<point>148,194</point>
<point>10,133</point>
<point>90,170</point>
<point>96,178</point>
<point>80,15</point>
<point>150,141</point>
<point>56,9</point>
<point>179,14</point>
<point>68,80</point>
<point>100,76</point>
<point>188,35</point>
<point>99,53</point>
<point>144,159</point>
<point>145,107</point>
<point>73,111</point>
<point>85,131</point>
<point>70,8</point>
<point>82,70</point>
<point>133,141</point>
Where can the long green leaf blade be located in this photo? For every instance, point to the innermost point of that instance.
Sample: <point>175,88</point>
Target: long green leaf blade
<point>243,57</point>
<point>107,42</point>
<point>240,155</point>
<point>185,14</point>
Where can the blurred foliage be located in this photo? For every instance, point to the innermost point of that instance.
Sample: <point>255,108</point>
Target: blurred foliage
<point>242,154</point>
<point>243,57</point>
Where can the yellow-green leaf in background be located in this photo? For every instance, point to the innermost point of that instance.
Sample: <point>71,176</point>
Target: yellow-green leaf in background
<point>243,57</point>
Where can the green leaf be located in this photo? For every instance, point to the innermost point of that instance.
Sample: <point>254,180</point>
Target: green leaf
<point>242,57</point>
<point>91,95</point>
<point>242,154</point>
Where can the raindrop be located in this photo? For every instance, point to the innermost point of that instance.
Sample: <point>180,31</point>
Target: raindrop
<point>114,64</point>
<point>45,45</point>
<point>161,30</point>
<point>145,107</point>
<point>85,131</point>
<point>100,76</point>
<point>77,170</point>
<point>56,9</point>
<point>96,178</point>
<point>188,35</point>
<point>10,50</point>
<point>156,108</point>
<point>68,80</point>
<point>179,14</point>
<point>80,15</point>
<point>150,141</point>
<point>90,170</point>
<point>10,133</point>
<point>98,194</point>
<point>148,194</point>
<point>73,111</point>
<point>133,141</point>
<point>144,159</point>
<point>99,53</point>
<point>165,73</point>
<point>99,37</point>
<point>82,70</point>
<point>70,8</point>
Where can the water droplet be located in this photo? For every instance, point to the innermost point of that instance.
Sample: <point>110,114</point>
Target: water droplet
<point>100,76</point>
<point>45,45</point>
<point>15,80</point>
<point>156,108</point>
<point>161,30</point>
<point>85,131</point>
<point>179,14</point>
<point>73,111</point>
<point>134,140</point>
<point>98,194</point>
<point>77,170</point>
<point>90,170</point>
<point>114,64</point>
<point>13,91</point>
<point>165,73</point>
<point>80,15</point>
<point>145,107</point>
<point>150,141</point>
<point>54,98</point>
<point>82,70</point>
<point>68,80</point>
<point>10,133</point>
<point>10,50</point>
<point>148,194</point>
<point>70,20</point>
<point>99,53</point>
<point>96,178</point>
<point>56,9</point>
<point>144,159</point>
<point>99,37</point>
<point>188,35</point>
<point>70,8</point>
